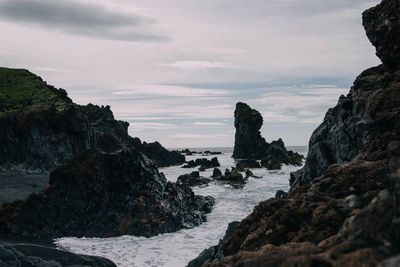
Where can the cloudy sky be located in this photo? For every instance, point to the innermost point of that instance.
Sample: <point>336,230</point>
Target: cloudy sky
<point>174,69</point>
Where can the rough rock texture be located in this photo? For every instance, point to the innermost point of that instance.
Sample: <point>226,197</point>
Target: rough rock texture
<point>248,140</point>
<point>349,215</point>
<point>41,128</point>
<point>214,252</point>
<point>102,194</point>
<point>41,256</point>
<point>250,145</point>
<point>345,129</point>
<point>160,155</point>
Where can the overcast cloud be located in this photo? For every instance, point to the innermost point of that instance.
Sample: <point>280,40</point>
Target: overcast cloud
<point>175,68</point>
<point>89,19</point>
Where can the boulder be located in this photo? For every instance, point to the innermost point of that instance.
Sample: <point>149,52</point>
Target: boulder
<point>193,179</point>
<point>216,173</point>
<point>204,163</point>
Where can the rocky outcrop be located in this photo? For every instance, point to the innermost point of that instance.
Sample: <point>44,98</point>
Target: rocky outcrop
<point>160,155</point>
<point>101,194</point>
<point>345,130</point>
<point>251,146</point>
<point>349,214</point>
<point>42,256</point>
<point>40,127</point>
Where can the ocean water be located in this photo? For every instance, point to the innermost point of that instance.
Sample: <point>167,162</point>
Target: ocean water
<point>177,249</point>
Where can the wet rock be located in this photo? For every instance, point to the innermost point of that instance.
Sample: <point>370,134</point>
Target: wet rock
<point>193,179</point>
<point>41,256</point>
<point>203,163</point>
<point>271,165</point>
<point>102,194</point>
<point>216,173</point>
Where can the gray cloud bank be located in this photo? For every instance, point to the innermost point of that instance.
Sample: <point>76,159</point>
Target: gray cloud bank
<point>81,18</point>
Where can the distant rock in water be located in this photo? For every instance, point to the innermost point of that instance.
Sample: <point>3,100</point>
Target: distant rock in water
<point>203,163</point>
<point>250,145</point>
<point>193,179</point>
<point>41,128</point>
<point>101,194</point>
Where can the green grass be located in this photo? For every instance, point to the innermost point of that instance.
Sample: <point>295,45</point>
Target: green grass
<point>20,88</point>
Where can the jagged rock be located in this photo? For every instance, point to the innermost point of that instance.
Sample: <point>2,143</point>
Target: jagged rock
<point>214,252</point>
<point>41,256</point>
<point>216,173</point>
<point>249,173</point>
<point>208,152</point>
<point>271,165</point>
<point>40,127</point>
<point>160,155</point>
<point>233,178</point>
<point>203,163</point>
<point>193,179</point>
<point>349,214</point>
<point>250,145</point>
<point>382,25</point>
<point>101,194</point>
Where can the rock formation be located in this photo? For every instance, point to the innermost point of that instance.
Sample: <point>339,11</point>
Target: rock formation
<point>41,128</point>
<point>345,213</point>
<point>193,179</point>
<point>38,255</point>
<point>250,145</point>
<point>101,194</point>
<point>203,163</point>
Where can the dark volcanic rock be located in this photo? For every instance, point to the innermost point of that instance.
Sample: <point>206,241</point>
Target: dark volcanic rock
<point>193,179</point>
<point>250,145</point>
<point>214,252</point>
<point>102,194</point>
<point>349,214</point>
<point>41,256</point>
<point>160,155</point>
<point>382,24</point>
<point>248,140</point>
<point>203,163</point>
<point>216,173</point>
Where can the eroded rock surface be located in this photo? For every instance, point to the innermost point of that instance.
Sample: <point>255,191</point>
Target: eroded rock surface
<point>101,194</point>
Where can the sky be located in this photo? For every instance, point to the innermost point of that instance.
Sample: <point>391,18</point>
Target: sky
<point>174,69</point>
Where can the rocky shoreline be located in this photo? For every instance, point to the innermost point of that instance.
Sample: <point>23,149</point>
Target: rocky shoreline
<point>342,209</point>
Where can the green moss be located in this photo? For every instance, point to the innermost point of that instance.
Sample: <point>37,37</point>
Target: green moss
<point>20,88</point>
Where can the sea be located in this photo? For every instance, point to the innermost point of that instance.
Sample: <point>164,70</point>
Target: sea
<point>178,248</point>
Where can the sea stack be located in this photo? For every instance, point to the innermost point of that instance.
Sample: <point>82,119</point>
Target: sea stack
<point>250,145</point>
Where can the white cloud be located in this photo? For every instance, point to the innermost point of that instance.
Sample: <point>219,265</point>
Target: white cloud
<point>168,90</point>
<point>140,126</point>
<point>204,123</point>
<point>198,65</point>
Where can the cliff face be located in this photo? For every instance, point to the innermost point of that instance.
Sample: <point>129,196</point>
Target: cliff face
<point>101,194</point>
<point>249,144</point>
<point>345,214</point>
<point>41,128</point>
<point>346,127</point>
